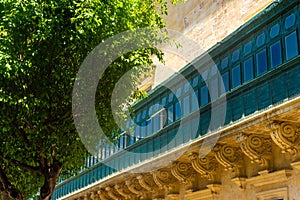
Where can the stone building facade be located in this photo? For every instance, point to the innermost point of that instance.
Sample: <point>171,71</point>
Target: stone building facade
<point>255,45</point>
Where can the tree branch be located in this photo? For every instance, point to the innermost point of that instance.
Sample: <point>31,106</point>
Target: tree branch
<point>4,180</point>
<point>21,132</point>
<point>20,164</point>
<point>7,188</point>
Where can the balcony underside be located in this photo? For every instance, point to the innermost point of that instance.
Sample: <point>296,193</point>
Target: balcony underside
<point>257,155</point>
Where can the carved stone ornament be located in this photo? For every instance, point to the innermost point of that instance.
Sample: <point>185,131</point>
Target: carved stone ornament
<point>146,181</point>
<point>123,190</point>
<point>111,193</point>
<point>286,136</point>
<point>228,156</point>
<point>134,186</point>
<point>163,177</point>
<point>102,194</point>
<point>85,197</point>
<point>181,171</point>
<point>258,149</point>
<point>94,196</point>
<point>206,166</point>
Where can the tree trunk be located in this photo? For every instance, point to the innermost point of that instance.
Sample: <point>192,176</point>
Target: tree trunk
<point>51,175</point>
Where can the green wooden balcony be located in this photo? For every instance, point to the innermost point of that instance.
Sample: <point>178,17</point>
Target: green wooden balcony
<point>260,67</point>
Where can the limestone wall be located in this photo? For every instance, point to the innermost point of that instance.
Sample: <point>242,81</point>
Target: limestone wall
<point>206,22</point>
<point>209,21</point>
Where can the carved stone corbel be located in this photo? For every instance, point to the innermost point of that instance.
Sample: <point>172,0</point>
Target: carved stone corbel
<point>123,191</point>
<point>258,149</point>
<point>146,181</point>
<point>206,166</point>
<point>111,193</point>
<point>286,136</point>
<point>102,195</point>
<point>134,186</point>
<point>165,179</point>
<point>181,171</point>
<point>229,157</point>
<point>94,196</point>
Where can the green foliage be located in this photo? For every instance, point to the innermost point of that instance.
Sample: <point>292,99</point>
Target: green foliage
<point>42,44</point>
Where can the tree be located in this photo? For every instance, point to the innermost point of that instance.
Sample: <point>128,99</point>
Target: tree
<point>42,44</point>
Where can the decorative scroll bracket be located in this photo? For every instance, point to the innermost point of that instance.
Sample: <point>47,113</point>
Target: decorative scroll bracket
<point>258,149</point>
<point>286,136</point>
<point>206,166</point>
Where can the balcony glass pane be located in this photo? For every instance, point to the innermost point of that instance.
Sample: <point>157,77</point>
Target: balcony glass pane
<point>194,99</point>
<point>186,105</point>
<point>248,48</point>
<point>225,79</point>
<point>170,114</point>
<point>261,62</point>
<point>235,55</point>
<point>276,56</point>
<point>248,70</point>
<point>204,95</point>
<point>224,63</point>
<point>290,21</point>
<point>149,127</point>
<point>156,122</point>
<point>236,76</point>
<point>291,46</point>
<point>274,31</point>
<point>144,129</point>
<point>177,111</point>
<point>260,40</point>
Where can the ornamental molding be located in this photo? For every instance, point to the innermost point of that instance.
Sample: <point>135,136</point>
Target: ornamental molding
<point>211,193</point>
<point>240,182</point>
<point>258,149</point>
<point>206,166</point>
<point>181,171</point>
<point>229,157</point>
<point>286,136</point>
<point>275,178</point>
